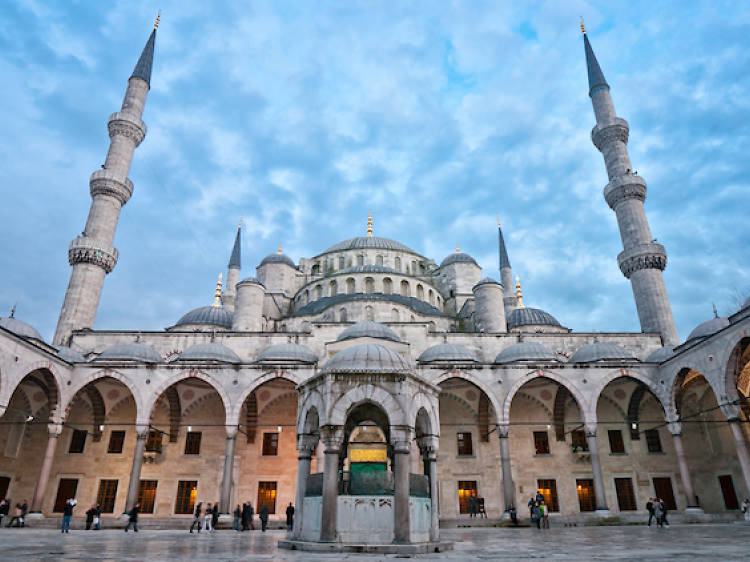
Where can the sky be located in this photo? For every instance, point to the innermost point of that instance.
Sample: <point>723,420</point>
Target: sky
<point>436,116</point>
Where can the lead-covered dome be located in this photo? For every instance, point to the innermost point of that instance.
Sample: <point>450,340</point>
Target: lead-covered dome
<point>530,317</point>
<point>251,281</point>
<point>486,281</point>
<point>368,329</point>
<point>447,352</point>
<point>375,242</point>
<point>601,351</point>
<point>661,354</point>
<point>458,257</point>
<point>208,315</point>
<point>708,328</point>
<point>525,351</point>
<point>366,358</point>
<point>278,258</point>
<point>286,353</point>
<point>20,328</point>
<point>134,351</point>
<point>209,352</point>
<point>70,355</point>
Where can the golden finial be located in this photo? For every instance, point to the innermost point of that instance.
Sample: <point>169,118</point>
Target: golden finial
<point>279,250</point>
<point>217,293</point>
<point>583,29</point>
<point>458,250</point>
<point>519,296</point>
<point>369,224</point>
<point>156,23</point>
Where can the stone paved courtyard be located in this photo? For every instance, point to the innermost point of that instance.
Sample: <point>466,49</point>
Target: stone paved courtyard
<point>685,542</point>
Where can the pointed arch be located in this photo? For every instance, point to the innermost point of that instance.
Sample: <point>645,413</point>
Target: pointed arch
<point>97,410</point>
<point>175,412</point>
<point>292,376</point>
<point>367,393</point>
<point>127,382</point>
<point>468,377</point>
<point>574,391</point>
<point>187,375</point>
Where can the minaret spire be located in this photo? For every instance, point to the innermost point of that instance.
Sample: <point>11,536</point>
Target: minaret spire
<point>233,271</point>
<point>506,273</point>
<point>92,254</point>
<point>642,259</point>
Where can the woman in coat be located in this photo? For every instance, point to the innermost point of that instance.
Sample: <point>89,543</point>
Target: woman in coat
<point>237,515</point>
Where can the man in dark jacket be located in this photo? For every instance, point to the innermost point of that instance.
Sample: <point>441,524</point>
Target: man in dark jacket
<point>215,515</point>
<point>289,517</point>
<point>3,509</point>
<point>67,514</point>
<point>247,517</point>
<point>133,517</point>
<point>90,514</point>
<point>664,509</point>
<point>650,509</point>
<point>196,517</point>
<point>263,514</point>
<point>98,517</point>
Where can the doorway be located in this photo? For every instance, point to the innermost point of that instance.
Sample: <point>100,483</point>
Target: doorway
<point>66,489</point>
<point>663,491</point>
<point>728,491</point>
<point>466,489</point>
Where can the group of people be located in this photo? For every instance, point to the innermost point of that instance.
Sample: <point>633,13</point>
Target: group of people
<point>657,509</point>
<point>476,506</point>
<point>19,516</point>
<point>210,517</point>
<point>94,517</point>
<point>539,511</point>
<point>243,517</point>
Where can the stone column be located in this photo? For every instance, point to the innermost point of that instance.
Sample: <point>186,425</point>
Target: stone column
<point>687,483</point>
<point>226,483</point>
<point>53,432</point>
<point>331,437</point>
<point>509,490</point>
<point>305,446</point>
<point>135,471</point>
<point>401,529</point>
<point>428,447</point>
<point>596,468</point>
<point>742,453</point>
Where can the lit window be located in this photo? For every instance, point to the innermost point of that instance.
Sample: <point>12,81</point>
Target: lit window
<point>267,495</point>
<point>186,492</point>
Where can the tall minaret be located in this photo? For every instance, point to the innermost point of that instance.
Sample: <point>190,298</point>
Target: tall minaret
<point>92,254</point>
<point>506,274</point>
<point>233,272</point>
<point>642,259</point>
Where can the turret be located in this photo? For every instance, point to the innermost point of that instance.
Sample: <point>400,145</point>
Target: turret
<point>248,310</point>
<point>489,310</point>
<point>642,259</point>
<point>278,273</point>
<point>506,273</point>
<point>92,254</point>
<point>233,271</point>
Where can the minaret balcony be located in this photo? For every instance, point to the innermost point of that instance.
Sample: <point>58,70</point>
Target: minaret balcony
<point>602,135</point>
<point>88,250</point>
<point>642,256</point>
<point>125,124</point>
<point>104,182</point>
<point>627,186</point>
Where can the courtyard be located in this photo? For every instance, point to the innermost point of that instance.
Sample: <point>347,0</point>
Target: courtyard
<point>686,542</point>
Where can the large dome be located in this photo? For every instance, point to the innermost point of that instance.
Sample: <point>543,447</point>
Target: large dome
<point>375,242</point>
<point>131,352</point>
<point>366,358</point>
<point>601,351</point>
<point>525,351</point>
<point>368,329</point>
<point>209,352</point>
<point>530,317</point>
<point>447,352</point>
<point>209,315</point>
<point>278,258</point>
<point>20,328</point>
<point>458,257</point>
<point>287,352</point>
<point>709,327</point>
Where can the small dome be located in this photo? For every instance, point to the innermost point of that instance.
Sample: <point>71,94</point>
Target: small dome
<point>707,328</point>
<point>209,352</point>
<point>210,315</point>
<point>287,352</point>
<point>661,354</point>
<point>458,257</point>
<point>600,351</point>
<point>131,352</point>
<point>367,358</point>
<point>70,355</point>
<point>447,352</point>
<point>367,269</point>
<point>368,329</point>
<point>486,281</point>
<point>253,280</point>
<point>278,258</point>
<point>20,328</point>
<point>530,317</point>
<point>525,351</point>
<point>375,242</point>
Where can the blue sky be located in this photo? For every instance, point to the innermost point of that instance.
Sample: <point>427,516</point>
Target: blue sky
<point>437,116</point>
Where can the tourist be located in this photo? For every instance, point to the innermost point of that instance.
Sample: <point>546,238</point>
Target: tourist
<point>98,517</point>
<point>215,516</point>
<point>531,507</point>
<point>90,512</point>
<point>133,518</point>
<point>3,509</point>
<point>536,515</point>
<point>20,514</point>
<point>208,515</point>
<point>67,514</point>
<point>664,509</point>
<point>196,518</point>
<point>658,512</point>
<point>472,506</point>
<point>746,509</point>
<point>650,509</point>
<point>247,517</point>
<point>480,507</point>
<point>289,517</point>
<point>237,515</point>
<point>539,496</point>
<point>263,514</point>
<point>513,514</point>
<point>545,514</point>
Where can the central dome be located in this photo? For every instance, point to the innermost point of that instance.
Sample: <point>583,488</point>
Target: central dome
<point>369,242</point>
<point>208,315</point>
<point>367,358</point>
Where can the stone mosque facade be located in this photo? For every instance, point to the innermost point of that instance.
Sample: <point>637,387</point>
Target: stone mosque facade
<point>373,357</point>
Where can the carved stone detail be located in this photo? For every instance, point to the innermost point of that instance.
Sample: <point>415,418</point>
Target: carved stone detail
<point>618,131</point>
<point>87,250</point>
<point>103,182</point>
<point>121,124</point>
<point>624,187</point>
<point>642,256</point>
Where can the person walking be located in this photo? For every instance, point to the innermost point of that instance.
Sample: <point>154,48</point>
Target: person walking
<point>746,509</point>
<point>545,514</point>
<point>250,513</point>
<point>536,515</point>
<point>472,506</point>
<point>513,514</point>
<point>19,515</point>
<point>67,514</point>
<point>90,512</point>
<point>3,510</point>
<point>481,510</point>
<point>215,516</point>
<point>208,515</point>
<point>290,517</point>
<point>237,516</point>
<point>263,514</point>
<point>133,518</point>
<point>196,518</point>
<point>531,507</point>
<point>650,509</point>
<point>658,512</point>
<point>664,509</point>
<point>98,517</point>
<point>539,497</point>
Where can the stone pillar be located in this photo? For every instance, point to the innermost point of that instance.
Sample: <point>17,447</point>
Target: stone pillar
<point>305,446</point>
<point>226,483</point>
<point>331,437</point>
<point>742,453</point>
<point>53,432</point>
<point>429,447</point>
<point>135,471</point>
<point>509,490</point>
<point>687,483</point>
<point>401,528</point>
<point>596,468</point>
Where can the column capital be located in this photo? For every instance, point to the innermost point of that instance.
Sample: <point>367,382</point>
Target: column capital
<point>401,436</point>
<point>503,429</point>
<point>54,429</point>
<point>141,431</point>
<point>675,428</point>
<point>306,443</point>
<point>590,429</point>
<point>332,437</point>
<point>428,446</point>
<point>232,431</point>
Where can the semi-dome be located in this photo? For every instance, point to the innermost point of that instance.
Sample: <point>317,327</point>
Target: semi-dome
<point>661,354</point>
<point>367,269</point>
<point>253,280</point>
<point>458,257</point>
<point>600,351</point>
<point>367,358</point>
<point>709,327</point>
<point>209,352</point>
<point>278,258</point>
<point>486,281</point>
<point>447,352</point>
<point>209,315</point>
<point>134,351</point>
<point>20,328</point>
<point>287,352</point>
<point>525,351</point>
<point>530,317</point>
<point>375,242</point>
<point>70,355</point>
<point>368,329</point>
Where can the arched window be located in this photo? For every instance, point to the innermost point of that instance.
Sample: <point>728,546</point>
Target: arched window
<point>369,285</point>
<point>420,292</point>
<point>414,267</point>
<point>342,262</point>
<point>405,288</point>
<point>378,260</point>
<point>431,297</point>
<point>318,292</point>
<point>342,315</point>
<point>316,269</point>
<point>361,259</point>
<point>438,301</point>
<point>398,264</point>
<point>307,297</point>
<point>394,315</point>
<point>333,289</point>
<point>387,285</point>
<point>350,285</point>
<point>369,313</point>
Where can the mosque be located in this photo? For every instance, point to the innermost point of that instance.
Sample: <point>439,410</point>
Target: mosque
<point>372,371</point>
